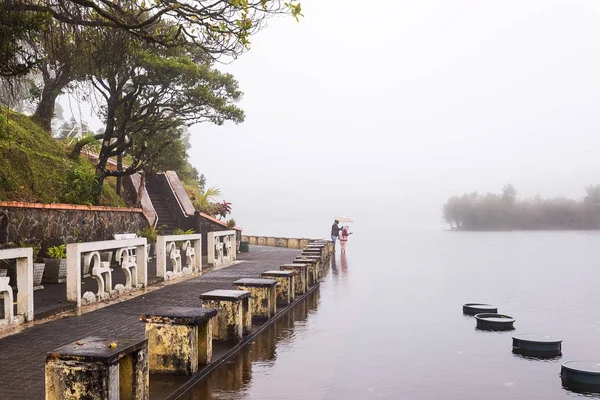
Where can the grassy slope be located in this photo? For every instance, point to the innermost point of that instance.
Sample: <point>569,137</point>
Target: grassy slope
<point>33,165</point>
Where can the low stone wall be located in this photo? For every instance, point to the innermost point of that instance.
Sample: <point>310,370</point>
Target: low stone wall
<point>55,224</point>
<point>290,243</point>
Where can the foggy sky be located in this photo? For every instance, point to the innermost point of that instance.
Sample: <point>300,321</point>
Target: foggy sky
<point>382,110</point>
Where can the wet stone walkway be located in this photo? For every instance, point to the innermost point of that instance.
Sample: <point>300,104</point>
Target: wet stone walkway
<point>23,355</point>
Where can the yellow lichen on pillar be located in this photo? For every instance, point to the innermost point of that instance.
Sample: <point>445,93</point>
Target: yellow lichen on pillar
<point>301,279</point>
<point>262,294</point>
<point>177,339</point>
<point>247,315</point>
<point>173,348</point>
<point>98,369</point>
<point>205,343</point>
<point>285,292</point>
<point>233,312</point>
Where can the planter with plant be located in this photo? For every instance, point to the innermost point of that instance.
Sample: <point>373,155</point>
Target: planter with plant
<point>56,264</point>
<point>150,233</point>
<point>179,231</point>
<point>231,225</point>
<point>38,268</point>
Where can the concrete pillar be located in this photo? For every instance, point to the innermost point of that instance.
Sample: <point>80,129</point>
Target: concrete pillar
<point>247,315</point>
<point>96,368</point>
<point>312,270</point>
<point>263,294</point>
<point>301,279</point>
<point>179,339</point>
<point>285,288</point>
<point>316,250</point>
<point>24,261</point>
<point>234,316</point>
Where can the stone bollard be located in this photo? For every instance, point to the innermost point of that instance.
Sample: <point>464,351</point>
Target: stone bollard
<point>263,294</point>
<point>312,253</point>
<point>285,289</point>
<point>96,368</point>
<point>301,278</point>
<point>313,257</point>
<point>179,339</point>
<point>321,246</point>
<point>313,268</point>
<point>234,315</point>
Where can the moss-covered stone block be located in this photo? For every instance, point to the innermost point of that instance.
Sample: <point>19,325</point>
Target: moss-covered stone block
<point>263,294</point>
<point>285,288</point>
<point>179,339</point>
<point>98,369</point>
<point>234,315</point>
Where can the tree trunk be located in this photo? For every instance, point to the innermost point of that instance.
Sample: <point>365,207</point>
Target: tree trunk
<point>98,188</point>
<point>44,111</point>
<point>138,202</point>
<point>85,141</point>
<point>100,175</point>
<point>119,178</point>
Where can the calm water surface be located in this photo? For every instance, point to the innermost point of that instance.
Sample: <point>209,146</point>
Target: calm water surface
<point>387,321</point>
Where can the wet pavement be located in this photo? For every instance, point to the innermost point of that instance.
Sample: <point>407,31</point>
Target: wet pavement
<point>22,355</point>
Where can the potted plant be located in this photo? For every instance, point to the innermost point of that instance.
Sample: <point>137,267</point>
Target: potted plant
<point>231,225</point>
<point>38,268</point>
<point>150,233</point>
<point>56,264</point>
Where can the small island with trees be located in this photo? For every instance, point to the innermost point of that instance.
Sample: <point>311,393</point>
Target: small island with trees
<point>495,212</point>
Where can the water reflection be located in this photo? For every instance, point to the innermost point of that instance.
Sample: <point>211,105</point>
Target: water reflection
<point>339,264</point>
<point>344,262</point>
<point>391,326</point>
<point>231,380</point>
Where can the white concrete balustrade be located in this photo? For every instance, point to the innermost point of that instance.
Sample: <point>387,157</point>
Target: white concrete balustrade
<point>221,248</point>
<point>166,248</point>
<point>24,260</point>
<point>135,268</point>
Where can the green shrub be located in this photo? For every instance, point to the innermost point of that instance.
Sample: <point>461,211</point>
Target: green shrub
<point>57,251</point>
<point>150,233</point>
<point>179,231</point>
<point>78,187</point>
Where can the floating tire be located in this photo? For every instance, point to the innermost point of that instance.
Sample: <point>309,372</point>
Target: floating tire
<point>494,322</point>
<point>478,308</point>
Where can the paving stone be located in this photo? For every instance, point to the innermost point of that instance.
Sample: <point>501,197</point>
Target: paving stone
<point>23,355</point>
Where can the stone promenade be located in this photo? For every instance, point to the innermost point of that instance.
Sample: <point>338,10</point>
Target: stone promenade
<point>23,355</point>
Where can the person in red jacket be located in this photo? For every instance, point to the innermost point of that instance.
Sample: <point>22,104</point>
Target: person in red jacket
<point>344,233</point>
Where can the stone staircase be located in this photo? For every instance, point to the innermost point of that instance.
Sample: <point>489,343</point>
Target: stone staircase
<point>165,217</point>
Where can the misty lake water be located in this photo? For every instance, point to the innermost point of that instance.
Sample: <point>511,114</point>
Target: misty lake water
<point>387,321</point>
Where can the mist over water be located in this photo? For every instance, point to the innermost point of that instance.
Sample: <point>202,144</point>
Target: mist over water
<point>383,113</point>
<point>388,321</point>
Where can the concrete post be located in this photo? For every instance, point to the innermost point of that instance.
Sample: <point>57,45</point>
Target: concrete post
<point>179,339</point>
<point>96,368</point>
<point>234,317</point>
<point>285,288</point>
<point>301,279</point>
<point>24,260</point>
<point>263,294</point>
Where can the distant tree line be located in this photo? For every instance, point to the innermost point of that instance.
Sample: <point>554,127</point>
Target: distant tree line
<point>504,211</point>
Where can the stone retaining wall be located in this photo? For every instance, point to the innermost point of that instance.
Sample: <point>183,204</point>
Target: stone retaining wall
<point>65,223</point>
